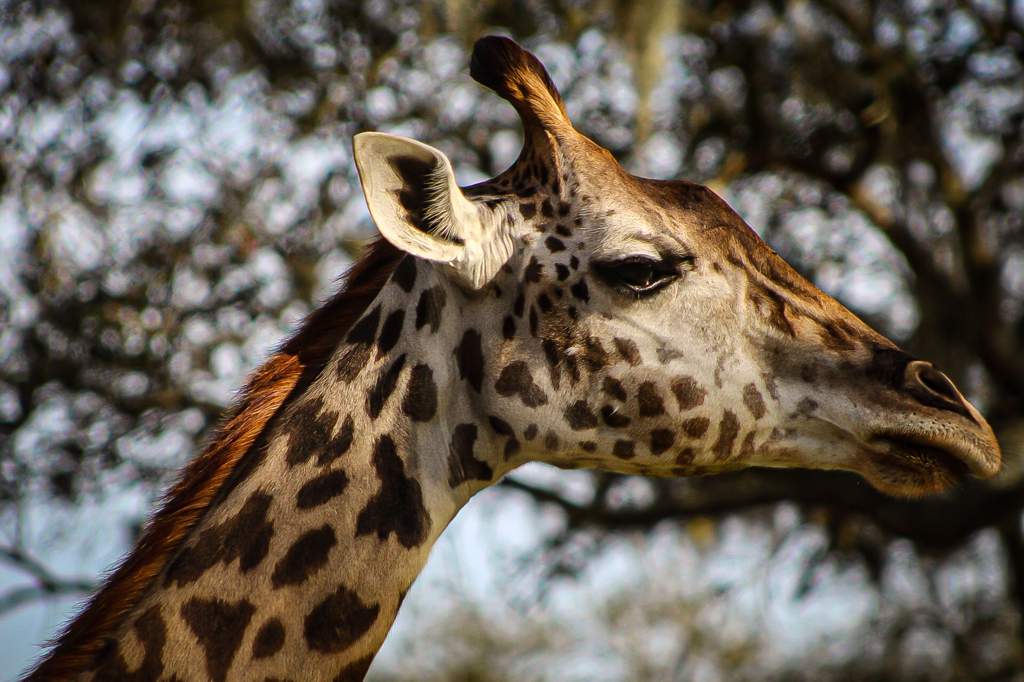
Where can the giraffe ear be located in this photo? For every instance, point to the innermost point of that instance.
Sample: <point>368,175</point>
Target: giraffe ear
<point>412,195</point>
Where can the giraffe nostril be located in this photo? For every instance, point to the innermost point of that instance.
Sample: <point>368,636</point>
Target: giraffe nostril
<point>933,388</point>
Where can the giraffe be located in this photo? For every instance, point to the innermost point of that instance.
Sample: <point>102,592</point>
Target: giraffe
<point>564,311</point>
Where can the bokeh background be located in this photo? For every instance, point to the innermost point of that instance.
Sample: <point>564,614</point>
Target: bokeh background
<point>177,190</point>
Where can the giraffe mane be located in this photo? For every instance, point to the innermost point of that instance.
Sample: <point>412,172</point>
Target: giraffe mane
<point>284,375</point>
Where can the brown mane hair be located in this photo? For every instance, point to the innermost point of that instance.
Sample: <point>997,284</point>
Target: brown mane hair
<point>284,375</point>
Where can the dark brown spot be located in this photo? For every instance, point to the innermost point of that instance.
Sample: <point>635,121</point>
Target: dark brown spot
<point>747,448</point>
<point>728,429</point>
<point>553,357</point>
<point>379,393</point>
<point>574,262</point>
<point>365,330</point>
<point>662,440</point>
<point>580,290</point>
<point>321,489</point>
<point>554,244</point>
<point>516,380</point>
<point>534,321</point>
<point>533,270</point>
<point>588,446</point>
<point>624,449</point>
<point>470,358</point>
<point>613,418</point>
<point>307,555</point>
<point>405,274</point>
<point>500,426</point>
<point>508,327</point>
<point>666,355</point>
<point>594,355</point>
<point>398,506</point>
<point>245,537</point>
<point>628,350</point>
<point>551,441</point>
<point>430,307</point>
<point>531,432</point>
<point>420,402</point>
<point>649,400</point>
<point>685,458</point>
<point>696,427</point>
<point>462,465</point>
<point>218,626</point>
<point>152,634</point>
<point>688,393</point>
<point>753,400</point>
<point>527,210</point>
<point>519,305</point>
<point>306,429</point>
<point>390,332</point>
<point>355,671</point>
<point>309,435</point>
<point>269,639</point>
<point>806,406</point>
<point>338,621</point>
<point>580,417</point>
<point>338,445</point>
<point>613,388</point>
<point>562,272</point>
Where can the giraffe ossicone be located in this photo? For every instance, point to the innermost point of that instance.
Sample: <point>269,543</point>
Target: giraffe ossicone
<point>564,312</point>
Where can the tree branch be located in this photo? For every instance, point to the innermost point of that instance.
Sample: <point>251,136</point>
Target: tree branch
<point>46,586</point>
<point>939,523</point>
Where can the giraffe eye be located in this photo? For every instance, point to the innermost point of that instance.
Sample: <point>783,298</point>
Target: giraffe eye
<point>637,275</point>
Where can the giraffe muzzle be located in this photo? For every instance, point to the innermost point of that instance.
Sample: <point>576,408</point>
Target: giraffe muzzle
<point>947,438</point>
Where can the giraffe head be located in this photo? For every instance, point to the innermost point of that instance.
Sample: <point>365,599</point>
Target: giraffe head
<point>641,326</point>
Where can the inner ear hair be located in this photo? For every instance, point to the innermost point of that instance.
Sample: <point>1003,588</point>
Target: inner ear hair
<point>426,196</point>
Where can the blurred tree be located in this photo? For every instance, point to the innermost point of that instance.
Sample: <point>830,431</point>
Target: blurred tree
<point>176,190</point>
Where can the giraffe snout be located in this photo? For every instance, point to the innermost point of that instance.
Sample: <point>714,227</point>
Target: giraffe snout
<point>930,437</point>
<point>933,438</point>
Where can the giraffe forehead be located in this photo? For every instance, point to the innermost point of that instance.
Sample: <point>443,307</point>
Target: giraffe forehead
<point>615,211</point>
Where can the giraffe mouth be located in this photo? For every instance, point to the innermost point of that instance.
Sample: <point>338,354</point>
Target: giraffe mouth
<point>914,454</point>
<point>904,466</point>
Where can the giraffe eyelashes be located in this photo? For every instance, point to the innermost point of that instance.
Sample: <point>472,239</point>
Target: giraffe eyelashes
<point>639,276</point>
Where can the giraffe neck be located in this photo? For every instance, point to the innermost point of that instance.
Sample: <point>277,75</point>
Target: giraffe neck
<point>302,564</point>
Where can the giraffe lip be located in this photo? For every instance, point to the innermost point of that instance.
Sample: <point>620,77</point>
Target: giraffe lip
<point>911,454</point>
